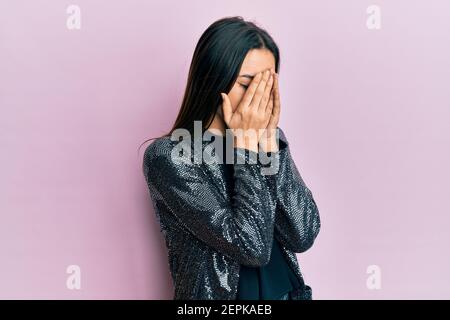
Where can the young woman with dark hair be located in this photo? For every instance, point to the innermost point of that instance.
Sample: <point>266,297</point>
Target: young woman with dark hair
<point>231,229</point>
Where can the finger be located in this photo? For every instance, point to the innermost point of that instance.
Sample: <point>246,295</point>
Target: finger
<point>270,104</point>
<point>266,96</point>
<point>276,97</point>
<point>226,108</point>
<point>260,90</point>
<point>249,93</point>
<point>269,112</point>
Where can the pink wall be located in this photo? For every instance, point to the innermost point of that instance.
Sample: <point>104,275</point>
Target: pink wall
<point>366,111</point>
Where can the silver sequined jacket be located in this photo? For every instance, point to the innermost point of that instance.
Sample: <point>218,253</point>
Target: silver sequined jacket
<point>211,227</point>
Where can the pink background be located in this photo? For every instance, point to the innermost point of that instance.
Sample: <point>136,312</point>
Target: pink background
<point>366,111</point>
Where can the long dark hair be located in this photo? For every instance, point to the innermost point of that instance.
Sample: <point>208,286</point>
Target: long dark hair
<point>215,65</point>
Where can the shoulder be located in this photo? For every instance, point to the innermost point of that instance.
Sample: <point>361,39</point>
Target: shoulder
<point>157,157</point>
<point>165,156</point>
<point>160,147</point>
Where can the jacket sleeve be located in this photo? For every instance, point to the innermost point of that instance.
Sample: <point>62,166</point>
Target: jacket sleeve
<point>242,229</point>
<point>297,221</point>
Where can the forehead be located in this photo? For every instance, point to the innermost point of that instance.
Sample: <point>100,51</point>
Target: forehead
<point>257,60</point>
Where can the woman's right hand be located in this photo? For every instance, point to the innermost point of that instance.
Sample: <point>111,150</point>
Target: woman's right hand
<point>251,117</point>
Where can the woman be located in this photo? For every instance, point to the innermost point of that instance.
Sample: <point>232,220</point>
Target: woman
<point>231,229</point>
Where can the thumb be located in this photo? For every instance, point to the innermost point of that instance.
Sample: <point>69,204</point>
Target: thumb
<point>226,108</point>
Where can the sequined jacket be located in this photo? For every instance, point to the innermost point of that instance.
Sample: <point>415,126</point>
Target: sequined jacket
<point>211,228</point>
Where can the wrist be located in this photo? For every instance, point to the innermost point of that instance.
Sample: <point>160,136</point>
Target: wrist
<point>249,143</point>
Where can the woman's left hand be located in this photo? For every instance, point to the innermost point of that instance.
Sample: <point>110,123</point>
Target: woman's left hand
<point>268,141</point>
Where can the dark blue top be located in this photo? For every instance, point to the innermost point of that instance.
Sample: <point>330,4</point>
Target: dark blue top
<point>268,282</point>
